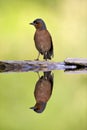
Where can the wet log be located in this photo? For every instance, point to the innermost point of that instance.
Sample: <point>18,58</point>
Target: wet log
<point>28,65</point>
<point>76,61</point>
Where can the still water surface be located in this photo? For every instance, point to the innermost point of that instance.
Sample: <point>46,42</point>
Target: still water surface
<point>66,106</point>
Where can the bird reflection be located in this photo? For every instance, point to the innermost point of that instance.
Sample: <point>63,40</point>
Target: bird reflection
<point>43,91</point>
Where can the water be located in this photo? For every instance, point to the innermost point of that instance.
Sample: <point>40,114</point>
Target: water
<point>65,109</point>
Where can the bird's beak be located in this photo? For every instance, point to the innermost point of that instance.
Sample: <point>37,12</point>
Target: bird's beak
<point>31,23</point>
<point>32,108</point>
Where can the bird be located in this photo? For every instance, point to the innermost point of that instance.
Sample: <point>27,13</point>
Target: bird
<point>42,39</point>
<point>43,92</point>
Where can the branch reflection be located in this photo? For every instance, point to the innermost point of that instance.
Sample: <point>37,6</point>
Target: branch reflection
<point>43,91</point>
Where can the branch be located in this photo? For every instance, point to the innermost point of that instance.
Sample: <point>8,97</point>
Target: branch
<point>27,65</point>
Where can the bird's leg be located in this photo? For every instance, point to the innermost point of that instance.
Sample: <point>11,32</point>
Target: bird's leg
<point>38,74</point>
<point>38,56</point>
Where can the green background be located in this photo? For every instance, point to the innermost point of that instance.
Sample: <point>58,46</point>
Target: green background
<point>67,22</point>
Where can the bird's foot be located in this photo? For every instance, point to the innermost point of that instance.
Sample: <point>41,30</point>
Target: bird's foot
<point>37,59</point>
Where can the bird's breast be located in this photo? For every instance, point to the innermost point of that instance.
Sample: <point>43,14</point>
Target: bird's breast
<point>42,40</point>
<point>43,90</point>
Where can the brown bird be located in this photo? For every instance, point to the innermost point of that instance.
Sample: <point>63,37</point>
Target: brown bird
<point>43,91</point>
<point>43,40</point>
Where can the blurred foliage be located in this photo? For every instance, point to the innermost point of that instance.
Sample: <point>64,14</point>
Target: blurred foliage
<point>67,22</point>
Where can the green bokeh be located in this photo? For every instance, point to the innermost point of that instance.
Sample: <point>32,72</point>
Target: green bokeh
<point>67,22</point>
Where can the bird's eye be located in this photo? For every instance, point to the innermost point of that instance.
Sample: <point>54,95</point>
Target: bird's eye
<point>36,22</point>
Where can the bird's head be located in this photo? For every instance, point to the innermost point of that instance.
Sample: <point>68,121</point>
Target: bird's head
<point>39,107</point>
<point>39,24</point>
